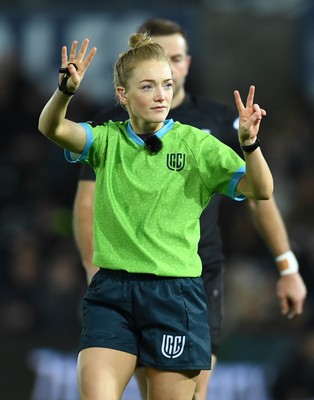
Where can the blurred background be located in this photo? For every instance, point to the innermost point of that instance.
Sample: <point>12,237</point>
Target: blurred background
<point>233,43</point>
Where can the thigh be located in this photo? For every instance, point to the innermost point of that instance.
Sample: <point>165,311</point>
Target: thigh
<point>140,375</point>
<point>203,381</point>
<point>104,373</point>
<point>168,385</point>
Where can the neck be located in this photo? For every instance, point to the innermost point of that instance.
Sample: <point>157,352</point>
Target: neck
<point>178,99</point>
<point>146,128</point>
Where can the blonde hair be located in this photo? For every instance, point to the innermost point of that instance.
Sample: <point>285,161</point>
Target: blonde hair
<point>142,48</point>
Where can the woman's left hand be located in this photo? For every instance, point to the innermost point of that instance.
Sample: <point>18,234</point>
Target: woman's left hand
<point>250,117</point>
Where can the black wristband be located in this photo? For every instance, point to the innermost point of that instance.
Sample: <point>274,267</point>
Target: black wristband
<point>63,85</point>
<point>251,147</point>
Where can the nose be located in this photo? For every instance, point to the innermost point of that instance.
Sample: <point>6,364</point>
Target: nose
<point>160,94</point>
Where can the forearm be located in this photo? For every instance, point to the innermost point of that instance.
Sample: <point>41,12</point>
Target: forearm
<point>291,290</point>
<point>257,183</point>
<point>53,124</point>
<point>269,224</point>
<point>53,115</point>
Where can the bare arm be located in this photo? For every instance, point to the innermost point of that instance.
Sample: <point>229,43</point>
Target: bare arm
<point>257,182</point>
<point>83,214</point>
<point>291,290</point>
<point>70,135</point>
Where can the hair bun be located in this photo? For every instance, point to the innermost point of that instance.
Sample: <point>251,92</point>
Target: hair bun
<point>139,39</point>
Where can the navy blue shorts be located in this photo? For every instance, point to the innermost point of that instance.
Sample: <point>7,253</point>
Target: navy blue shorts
<point>163,321</point>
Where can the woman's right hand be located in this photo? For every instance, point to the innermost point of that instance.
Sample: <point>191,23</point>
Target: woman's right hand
<point>81,62</point>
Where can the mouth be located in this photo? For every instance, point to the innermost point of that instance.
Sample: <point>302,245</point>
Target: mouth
<point>159,108</point>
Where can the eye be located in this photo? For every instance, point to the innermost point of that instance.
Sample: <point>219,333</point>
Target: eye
<point>147,87</point>
<point>168,85</point>
<point>176,60</point>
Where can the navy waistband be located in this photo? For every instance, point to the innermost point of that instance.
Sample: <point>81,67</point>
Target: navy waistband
<point>122,274</point>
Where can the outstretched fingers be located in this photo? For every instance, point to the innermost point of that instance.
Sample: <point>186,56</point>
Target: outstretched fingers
<point>249,100</point>
<point>74,66</point>
<point>250,96</point>
<point>73,51</point>
<point>89,57</point>
<point>82,51</point>
<point>82,61</point>
<point>64,56</point>
<point>78,57</point>
<point>250,115</point>
<point>238,101</point>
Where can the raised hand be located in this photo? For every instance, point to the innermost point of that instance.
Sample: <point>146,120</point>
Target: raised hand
<point>75,66</point>
<point>250,117</point>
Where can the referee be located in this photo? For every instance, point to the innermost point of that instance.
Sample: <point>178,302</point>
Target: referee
<point>219,121</point>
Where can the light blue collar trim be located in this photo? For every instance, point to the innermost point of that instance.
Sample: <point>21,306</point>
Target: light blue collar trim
<point>168,123</point>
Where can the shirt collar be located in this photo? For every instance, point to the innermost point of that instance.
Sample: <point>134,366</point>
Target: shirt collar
<point>168,123</point>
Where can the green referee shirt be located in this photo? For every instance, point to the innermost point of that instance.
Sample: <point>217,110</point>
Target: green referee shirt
<point>147,207</point>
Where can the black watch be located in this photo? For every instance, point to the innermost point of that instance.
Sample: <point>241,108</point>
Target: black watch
<point>251,147</point>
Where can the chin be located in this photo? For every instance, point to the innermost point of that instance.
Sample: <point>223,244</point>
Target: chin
<point>162,116</point>
<point>159,119</point>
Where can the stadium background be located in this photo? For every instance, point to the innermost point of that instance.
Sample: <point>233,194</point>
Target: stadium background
<point>233,43</point>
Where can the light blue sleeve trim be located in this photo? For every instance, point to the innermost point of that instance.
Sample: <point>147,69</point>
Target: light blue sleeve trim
<point>233,184</point>
<point>75,157</point>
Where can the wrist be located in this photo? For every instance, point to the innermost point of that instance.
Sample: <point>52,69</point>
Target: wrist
<point>65,91</point>
<point>251,147</point>
<point>64,97</point>
<point>287,263</point>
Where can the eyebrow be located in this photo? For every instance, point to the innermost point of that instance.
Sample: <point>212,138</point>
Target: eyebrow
<point>176,55</point>
<point>153,80</point>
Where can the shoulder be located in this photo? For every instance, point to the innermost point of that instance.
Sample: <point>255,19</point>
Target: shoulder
<point>205,148</point>
<point>191,134</point>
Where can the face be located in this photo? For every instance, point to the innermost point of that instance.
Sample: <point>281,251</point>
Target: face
<point>149,95</point>
<point>176,50</point>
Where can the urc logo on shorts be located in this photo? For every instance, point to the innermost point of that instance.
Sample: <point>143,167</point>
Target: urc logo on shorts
<point>175,162</point>
<point>172,346</point>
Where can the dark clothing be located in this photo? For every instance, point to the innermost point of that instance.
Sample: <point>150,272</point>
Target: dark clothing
<point>169,313</point>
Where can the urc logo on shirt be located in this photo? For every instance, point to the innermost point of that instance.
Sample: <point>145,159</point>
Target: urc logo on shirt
<point>175,161</point>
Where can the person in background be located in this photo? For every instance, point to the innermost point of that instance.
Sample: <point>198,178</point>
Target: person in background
<point>220,121</point>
